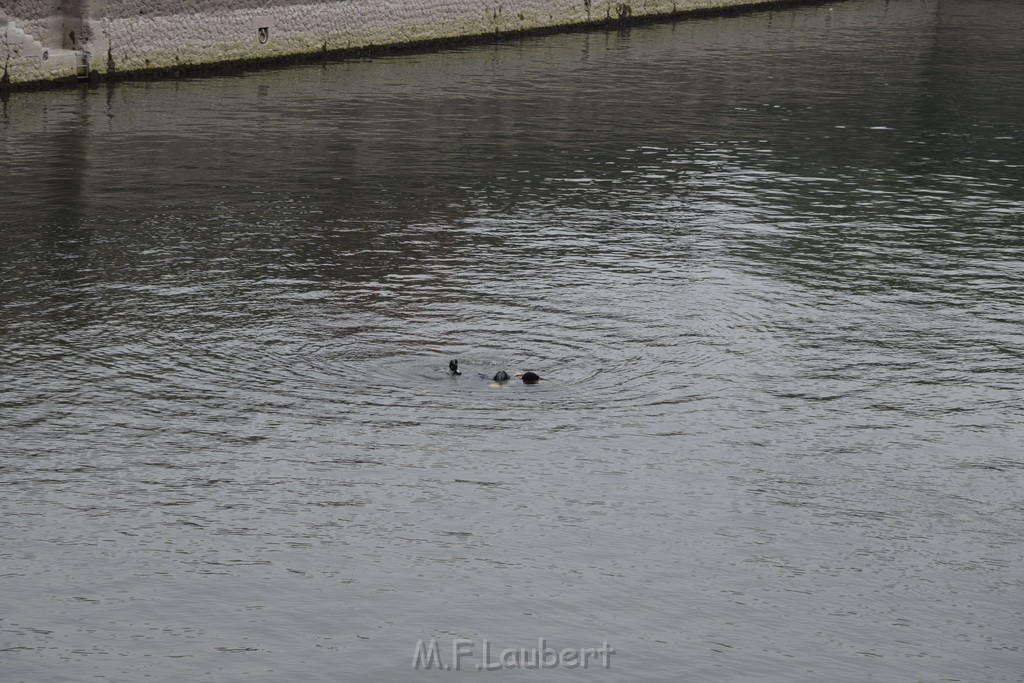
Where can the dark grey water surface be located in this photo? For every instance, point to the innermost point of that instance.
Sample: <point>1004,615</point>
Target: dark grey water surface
<point>769,265</point>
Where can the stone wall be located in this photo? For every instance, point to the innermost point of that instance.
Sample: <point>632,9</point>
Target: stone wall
<point>47,40</point>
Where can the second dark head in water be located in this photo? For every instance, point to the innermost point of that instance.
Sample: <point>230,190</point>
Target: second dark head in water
<point>453,367</point>
<point>501,376</point>
<point>530,377</point>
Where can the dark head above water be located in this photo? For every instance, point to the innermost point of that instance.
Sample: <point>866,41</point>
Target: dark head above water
<point>529,377</point>
<point>501,376</point>
<point>453,367</point>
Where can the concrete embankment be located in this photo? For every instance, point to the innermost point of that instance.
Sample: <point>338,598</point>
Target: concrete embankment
<point>50,41</point>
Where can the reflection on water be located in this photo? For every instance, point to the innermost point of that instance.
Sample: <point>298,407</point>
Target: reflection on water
<point>769,266</point>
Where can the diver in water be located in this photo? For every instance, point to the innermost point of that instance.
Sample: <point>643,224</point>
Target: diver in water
<point>499,376</point>
<point>528,377</point>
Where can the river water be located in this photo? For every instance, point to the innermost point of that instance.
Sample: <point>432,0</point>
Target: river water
<point>769,267</point>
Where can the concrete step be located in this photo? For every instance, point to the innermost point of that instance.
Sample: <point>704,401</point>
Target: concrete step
<point>24,46</point>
